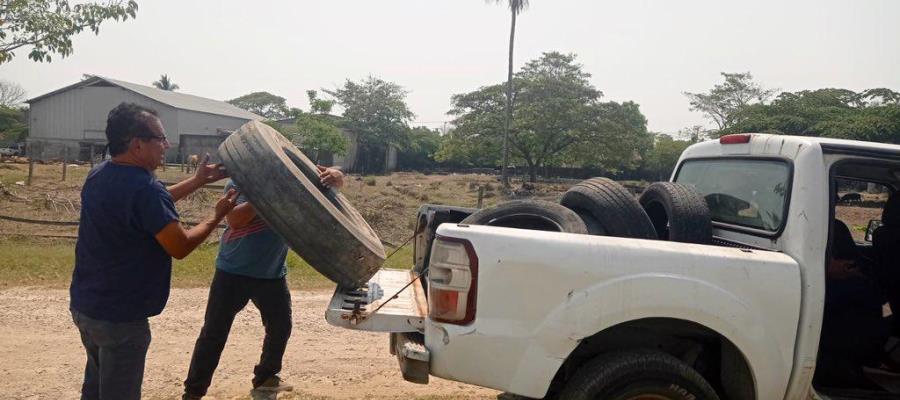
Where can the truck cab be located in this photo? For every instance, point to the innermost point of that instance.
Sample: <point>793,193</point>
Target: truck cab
<point>757,314</point>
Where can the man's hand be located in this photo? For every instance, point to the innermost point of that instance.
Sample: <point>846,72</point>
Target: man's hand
<point>209,173</point>
<point>226,204</point>
<point>331,177</point>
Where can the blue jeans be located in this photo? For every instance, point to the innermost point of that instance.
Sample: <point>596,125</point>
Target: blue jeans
<point>116,352</point>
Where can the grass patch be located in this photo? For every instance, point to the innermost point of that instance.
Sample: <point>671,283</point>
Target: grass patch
<point>49,263</point>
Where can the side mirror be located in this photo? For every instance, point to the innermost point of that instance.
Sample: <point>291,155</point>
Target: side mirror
<point>870,230</point>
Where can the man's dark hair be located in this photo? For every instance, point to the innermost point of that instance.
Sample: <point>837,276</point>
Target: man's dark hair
<point>124,122</point>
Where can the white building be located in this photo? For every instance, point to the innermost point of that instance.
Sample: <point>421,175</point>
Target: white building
<point>71,122</point>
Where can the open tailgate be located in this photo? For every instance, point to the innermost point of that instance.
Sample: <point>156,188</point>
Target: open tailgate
<point>356,308</point>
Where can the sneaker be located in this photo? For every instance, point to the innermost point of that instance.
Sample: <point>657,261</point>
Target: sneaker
<point>188,396</point>
<point>273,385</point>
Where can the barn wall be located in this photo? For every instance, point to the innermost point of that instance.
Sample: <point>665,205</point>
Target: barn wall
<point>67,124</point>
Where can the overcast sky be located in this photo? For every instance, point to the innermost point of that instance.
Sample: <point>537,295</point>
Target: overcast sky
<point>645,51</point>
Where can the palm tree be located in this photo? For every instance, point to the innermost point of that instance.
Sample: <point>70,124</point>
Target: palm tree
<point>165,84</point>
<point>515,7</point>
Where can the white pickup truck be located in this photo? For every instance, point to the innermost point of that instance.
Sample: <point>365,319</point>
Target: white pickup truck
<point>566,315</point>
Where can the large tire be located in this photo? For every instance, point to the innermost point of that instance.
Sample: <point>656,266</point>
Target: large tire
<point>637,374</point>
<point>529,214</point>
<point>678,212</point>
<point>614,209</point>
<point>317,222</point>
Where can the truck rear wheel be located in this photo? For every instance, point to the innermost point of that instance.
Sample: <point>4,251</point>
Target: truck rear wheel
<point>678,212</point>
<point>640,374</point>
<point>317,222</point>
<point>529,214</point>
<point>614,210</point>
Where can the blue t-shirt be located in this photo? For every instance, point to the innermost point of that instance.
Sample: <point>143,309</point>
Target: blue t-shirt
<point>254,250</point>
<point>121,272</point>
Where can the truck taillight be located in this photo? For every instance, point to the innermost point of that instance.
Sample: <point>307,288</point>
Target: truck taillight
<point>452,281</point>
<point>736,138</point>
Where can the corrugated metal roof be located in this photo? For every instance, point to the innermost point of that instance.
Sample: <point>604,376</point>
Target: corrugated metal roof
<point>181,101</point>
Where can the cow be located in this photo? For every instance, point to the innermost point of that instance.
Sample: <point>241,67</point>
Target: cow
<point>192,161</point>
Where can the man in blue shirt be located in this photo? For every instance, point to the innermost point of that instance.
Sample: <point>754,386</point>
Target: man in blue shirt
<point>250,267</point>
<point>128,234</point>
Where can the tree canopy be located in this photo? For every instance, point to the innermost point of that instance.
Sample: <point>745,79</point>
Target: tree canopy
<point>316,134</point>
<point>872,115</point>
<point>318,105</point>
<point>11,94</point>
<point>422,146</point>
<point>724,101</point>
<point>263,103</point>
<point>165,83</point>
<point>375,109</point>
<point>557,120</point>
<point>13,125</point>
<point>48,25</point>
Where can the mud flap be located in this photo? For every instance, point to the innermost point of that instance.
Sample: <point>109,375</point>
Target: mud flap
<point>409,347</point>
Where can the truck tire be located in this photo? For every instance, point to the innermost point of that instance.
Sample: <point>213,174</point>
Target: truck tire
<point>614,209</point>
<point>678,212</point>
<point>637,374</point>
<point>316,222</point>
<point>529,214</point>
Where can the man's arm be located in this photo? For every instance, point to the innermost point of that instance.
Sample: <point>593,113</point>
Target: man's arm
<point>178,242</point>
<point>241,215</point>
<point>206,173</point>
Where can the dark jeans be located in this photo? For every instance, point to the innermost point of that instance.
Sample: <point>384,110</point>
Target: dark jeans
<point>116,352</point>
<point>228,295</point>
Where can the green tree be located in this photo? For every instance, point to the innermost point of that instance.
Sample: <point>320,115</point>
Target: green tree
<point>316,134</point>
<point>262,103</point>
<point>376,111</point>
<point>661,159</point>
<point>317,105</point>
<point>724,102</point>
<point>558,120</point>
<point>48,25</point>
<point>872,115</point>
<point>13,125</point>
<point>165,84</point>
<point>515,7</point>
<point>616,139</point>
<point>421,150</point>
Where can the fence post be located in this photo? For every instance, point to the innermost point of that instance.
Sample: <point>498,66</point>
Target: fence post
<point>30,171</point>
<point>480,196</point>
<point>65,161</point>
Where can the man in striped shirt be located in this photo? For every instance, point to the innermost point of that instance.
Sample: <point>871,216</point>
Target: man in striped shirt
<point>250,267</point>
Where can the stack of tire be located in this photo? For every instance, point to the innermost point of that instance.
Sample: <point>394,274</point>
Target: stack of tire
<point>600,206</point>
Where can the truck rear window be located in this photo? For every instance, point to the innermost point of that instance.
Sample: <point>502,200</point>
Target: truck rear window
<point>749,193</point>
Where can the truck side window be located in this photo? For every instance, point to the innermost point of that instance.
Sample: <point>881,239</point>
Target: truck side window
<point>749,192</point>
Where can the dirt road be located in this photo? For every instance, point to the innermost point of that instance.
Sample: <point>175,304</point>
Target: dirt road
<point>42,357</point>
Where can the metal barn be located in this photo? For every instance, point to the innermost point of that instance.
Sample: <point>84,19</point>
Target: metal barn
<point>70,123</point>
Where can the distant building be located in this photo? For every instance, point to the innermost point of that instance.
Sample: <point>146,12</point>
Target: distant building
<point>71,121</point>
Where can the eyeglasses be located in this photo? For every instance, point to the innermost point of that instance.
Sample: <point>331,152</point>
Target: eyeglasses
<point>162,139</point>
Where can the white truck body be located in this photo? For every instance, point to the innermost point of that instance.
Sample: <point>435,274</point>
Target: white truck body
<point>542,296</point>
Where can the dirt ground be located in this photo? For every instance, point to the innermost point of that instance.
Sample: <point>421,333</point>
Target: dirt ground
<point>43,358</point>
